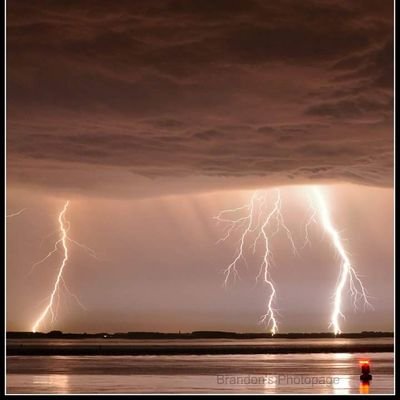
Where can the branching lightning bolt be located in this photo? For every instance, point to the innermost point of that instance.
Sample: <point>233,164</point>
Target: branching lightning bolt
<point>269,316</point>
<point>310,220</point>
<point>16,213</point>
<point>347,272</point>
<point>54,298</point>
<point>232,267</point>
<point>256,221</point>
<point>90,251</point>
<point>59,279</point>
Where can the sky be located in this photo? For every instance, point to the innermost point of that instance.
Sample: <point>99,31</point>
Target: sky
<point>152,116</point>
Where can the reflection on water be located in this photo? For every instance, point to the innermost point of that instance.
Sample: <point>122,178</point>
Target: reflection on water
<point>270,385</point>
<point>342,356</point>
<point>59,383</point>
<point>284,373</point>
<point>341,385</point>
<point>364,387</point>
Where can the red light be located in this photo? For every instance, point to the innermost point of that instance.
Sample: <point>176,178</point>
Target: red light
<point>364,362</point>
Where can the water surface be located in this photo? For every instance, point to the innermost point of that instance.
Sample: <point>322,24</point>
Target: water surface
<point>336,373</point>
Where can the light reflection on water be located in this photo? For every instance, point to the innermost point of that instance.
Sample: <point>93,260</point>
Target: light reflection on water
<point>364,387</point>
<point>342,385</point>
<point>60,383</point>
<point>199,374</point>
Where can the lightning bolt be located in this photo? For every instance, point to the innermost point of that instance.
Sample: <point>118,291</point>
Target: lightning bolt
<point>347,272</point>
<point>234,223</point>
<point>310,220</point>
<point>54,298</point>
<point>256,221</point>
<point>90,251</point>
<point>16,213</point>
<point>269,316</point>
<point>63,240</point>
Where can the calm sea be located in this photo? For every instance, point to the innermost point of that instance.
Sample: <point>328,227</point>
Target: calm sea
<point>335,373</point>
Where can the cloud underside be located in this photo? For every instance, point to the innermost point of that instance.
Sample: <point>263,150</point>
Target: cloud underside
<point>285,90</point>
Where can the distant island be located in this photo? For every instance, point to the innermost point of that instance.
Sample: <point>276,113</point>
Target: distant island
<point>191,335</point>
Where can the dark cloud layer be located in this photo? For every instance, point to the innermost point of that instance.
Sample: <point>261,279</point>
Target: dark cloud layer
<point>301,91</point>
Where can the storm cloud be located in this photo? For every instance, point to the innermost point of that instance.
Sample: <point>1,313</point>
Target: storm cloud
<point>282,91</point>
